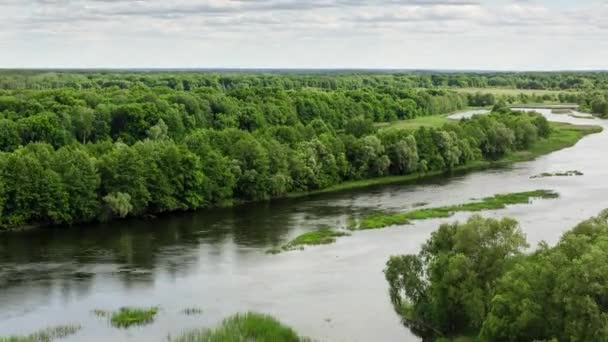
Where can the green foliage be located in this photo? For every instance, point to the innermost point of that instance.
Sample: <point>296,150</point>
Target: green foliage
<point>471,279</point>
<point>118,203</point>
<point>244,327</point>
<point>78,147</point>
<point>500,201</point>
<point>127,317</point>
<point>445,289</point>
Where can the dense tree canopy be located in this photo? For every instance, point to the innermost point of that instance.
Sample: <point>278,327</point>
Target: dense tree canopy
<point>472,279</point>
<point>76,147</point>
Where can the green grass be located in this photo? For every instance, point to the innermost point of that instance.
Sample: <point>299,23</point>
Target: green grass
<point>563,135</point>
<point>435,121</point>
<point>322,236</point>
<point>45,335</point>
<point>244,327</point>
<point>127,317</point>
<point>381,220</point>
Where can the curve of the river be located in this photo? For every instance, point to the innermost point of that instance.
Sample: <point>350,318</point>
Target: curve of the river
<point>216,259</point>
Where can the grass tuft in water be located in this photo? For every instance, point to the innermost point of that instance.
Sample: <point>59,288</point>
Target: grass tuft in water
<point>381,220</point>
<point>559,174</point>
<point>322,236</point>
<point>127,317</point>
<point>45,335</point>
<point>244,327</point>
<point>102,313</point>
<point>192,311</point>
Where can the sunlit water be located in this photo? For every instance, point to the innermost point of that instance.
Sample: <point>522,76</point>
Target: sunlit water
<point>216,259</point>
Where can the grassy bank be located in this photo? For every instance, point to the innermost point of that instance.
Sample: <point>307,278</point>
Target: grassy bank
<point>244,327</point>
<point>435,121</point>
<point>381,220</point>
<point>563,135</point>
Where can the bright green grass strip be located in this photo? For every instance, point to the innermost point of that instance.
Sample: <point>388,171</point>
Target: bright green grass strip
<point>381,220</point>
<point>323,236</point>
<point>45,335</point>
<point>244,327</point>
<point>126,317</point>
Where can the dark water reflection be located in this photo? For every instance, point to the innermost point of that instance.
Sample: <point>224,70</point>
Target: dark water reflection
<point>215,259</point>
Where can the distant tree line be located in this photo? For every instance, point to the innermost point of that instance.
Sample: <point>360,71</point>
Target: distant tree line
<point>332,80</point>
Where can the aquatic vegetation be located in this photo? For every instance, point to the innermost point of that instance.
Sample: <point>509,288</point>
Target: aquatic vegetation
<point>192,311</point>
<point>322,236</point>
<point>500,201</point>
<point>558,174</point>
<point>45,335</point>
<point>126,317</point>
<point>102,313</point>
<point>244,327</point>
<point>561,111</point>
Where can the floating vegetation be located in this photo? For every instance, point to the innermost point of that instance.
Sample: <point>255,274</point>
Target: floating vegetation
<point>381,220</point>
<point>192,311</point>
<point>102,313</point>
<point>559,174</point>
<point>244,327</point>
<point>561,111</point>
<point>127,316</point>
<point>45,335</point>
<point>321,236</point>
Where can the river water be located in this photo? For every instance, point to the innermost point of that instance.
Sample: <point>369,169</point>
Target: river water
<point>216,259</point>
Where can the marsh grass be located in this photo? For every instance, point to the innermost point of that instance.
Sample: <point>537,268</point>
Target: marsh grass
<point>102,313</point>
<point>45,335</point>
<point>192,311</point>
<point>559,174</point>
<point>127,317</point>
<point>381,220</point>
<point>561,111</point>
<point>244,327</point>
<point>322,236</point>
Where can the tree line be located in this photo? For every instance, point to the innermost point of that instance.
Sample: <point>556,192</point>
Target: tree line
<point>473,279</point>
<point>77,156</point>
<point>285,79</point>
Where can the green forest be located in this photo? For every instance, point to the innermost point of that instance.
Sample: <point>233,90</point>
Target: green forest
<point>85,146</point>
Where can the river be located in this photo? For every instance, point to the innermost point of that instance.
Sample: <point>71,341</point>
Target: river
<point>216,260</point>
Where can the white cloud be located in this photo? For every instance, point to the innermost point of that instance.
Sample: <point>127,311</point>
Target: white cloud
<point>501,34</point>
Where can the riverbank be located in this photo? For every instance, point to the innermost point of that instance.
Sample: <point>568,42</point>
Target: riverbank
<point>563,135</point>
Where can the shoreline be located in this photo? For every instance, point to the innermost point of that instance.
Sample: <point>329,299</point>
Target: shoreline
<point>569,135</point>
<point>543,147</point>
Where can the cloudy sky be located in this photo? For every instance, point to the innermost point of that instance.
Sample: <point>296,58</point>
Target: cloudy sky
<point>412,34</point>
